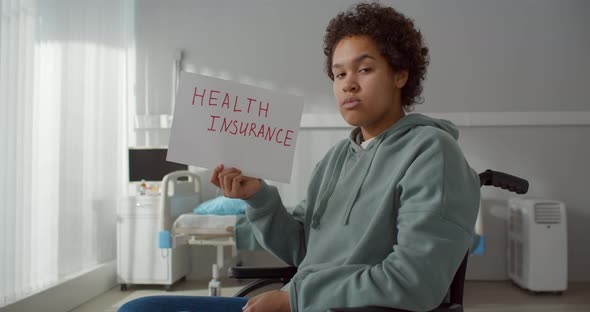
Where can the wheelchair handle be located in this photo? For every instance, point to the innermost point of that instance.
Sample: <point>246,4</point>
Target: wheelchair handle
<point>504,181</point>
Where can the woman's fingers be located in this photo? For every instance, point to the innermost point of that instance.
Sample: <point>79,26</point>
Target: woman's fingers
<point>251,308</point>
<point>228,180</point>
<point>250,303</point>
<point>214,179</point>
<point>233,183</point>
<point>224,180</point>
<point>227,171</point>
<point>236,185</point>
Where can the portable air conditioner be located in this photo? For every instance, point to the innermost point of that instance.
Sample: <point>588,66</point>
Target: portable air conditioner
<point>537,244</point>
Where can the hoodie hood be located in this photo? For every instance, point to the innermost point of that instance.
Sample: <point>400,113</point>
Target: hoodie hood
<point>398,129</point>
<point>402,125</point>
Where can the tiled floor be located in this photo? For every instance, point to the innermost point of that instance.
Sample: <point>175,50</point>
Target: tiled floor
<point>505,297</point>
<point>479,297</point>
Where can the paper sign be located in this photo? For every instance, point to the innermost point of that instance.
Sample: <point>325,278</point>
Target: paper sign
<point>218,121</point>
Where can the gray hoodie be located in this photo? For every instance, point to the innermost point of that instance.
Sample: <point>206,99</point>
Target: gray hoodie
<point>386,226</point>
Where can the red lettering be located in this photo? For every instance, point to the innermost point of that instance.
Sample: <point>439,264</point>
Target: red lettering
<point>235,124</point>
<point>245,130</point>
<point>287,138</point>
<point>252,127</point>
<point>261,132</point>
<point>269,134</point>
<point>225,101</point>
<point>212,123</point>
<point>212,98</point>
<point>225,125</point>
<point>260,109</point>
<point>236,105</point>
<point>202,96</point>
<point>277,137</point>
<point>250,103</point>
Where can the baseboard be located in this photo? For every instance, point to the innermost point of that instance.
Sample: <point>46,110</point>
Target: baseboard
<point>71,292</point>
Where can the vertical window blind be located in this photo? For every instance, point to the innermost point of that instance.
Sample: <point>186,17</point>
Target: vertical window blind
<point>63,94</point>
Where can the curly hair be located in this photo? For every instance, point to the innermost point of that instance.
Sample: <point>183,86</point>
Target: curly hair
<point>396,38</point>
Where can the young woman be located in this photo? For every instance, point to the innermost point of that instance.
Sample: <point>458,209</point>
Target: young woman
<point>390,212</point>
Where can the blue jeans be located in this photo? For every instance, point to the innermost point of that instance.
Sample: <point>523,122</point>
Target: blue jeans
<point>184,304</point>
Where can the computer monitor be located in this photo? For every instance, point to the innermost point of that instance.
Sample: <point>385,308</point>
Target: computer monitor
<point>150,164</point>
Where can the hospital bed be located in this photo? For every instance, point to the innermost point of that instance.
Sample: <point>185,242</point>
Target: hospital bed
<point>180,227</point>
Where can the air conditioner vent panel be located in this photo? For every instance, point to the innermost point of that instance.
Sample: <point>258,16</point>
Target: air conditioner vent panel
<point>547,213</point>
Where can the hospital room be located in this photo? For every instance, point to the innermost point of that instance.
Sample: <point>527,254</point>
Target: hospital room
<point>294,156</point>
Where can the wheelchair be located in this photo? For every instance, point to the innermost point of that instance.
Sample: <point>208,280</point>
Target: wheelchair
<point>282,275</point>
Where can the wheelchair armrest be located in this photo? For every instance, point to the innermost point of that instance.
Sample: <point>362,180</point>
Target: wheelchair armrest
<point>261,272</point>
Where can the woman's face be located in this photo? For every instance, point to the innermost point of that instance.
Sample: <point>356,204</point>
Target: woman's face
<point>368,92</point>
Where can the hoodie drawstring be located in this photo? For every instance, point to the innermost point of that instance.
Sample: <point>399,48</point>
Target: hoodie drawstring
<point>357,188</point>
<point>334,175</point>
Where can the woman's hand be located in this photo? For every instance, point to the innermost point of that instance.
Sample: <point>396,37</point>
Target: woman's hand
<point>233,183</point>
<point>271,301</point>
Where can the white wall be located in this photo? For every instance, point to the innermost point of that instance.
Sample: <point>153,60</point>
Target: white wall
<point>486,56</point>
